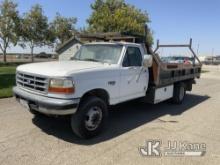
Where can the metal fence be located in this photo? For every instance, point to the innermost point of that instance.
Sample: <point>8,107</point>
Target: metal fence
<point>13,58</point>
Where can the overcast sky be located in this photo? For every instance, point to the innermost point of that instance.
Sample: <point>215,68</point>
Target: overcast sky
<point>172,21</point>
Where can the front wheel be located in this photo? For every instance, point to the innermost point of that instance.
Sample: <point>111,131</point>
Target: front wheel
<point>90,118</point>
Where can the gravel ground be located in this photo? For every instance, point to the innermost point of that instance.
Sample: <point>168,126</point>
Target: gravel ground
<point>25,139</point>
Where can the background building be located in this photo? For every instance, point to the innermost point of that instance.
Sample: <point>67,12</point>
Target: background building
<point>68,49</point>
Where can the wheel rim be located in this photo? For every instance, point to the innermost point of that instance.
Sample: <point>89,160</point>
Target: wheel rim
<point>182,93</point>
<point>93,118</point>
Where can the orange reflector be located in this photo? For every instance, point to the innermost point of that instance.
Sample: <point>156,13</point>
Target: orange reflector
<point>61,90</point>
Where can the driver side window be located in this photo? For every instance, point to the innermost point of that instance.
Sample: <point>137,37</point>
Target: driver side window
<point>132,57</point>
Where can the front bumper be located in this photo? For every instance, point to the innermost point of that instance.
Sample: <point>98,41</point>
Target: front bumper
<point>46,105</point>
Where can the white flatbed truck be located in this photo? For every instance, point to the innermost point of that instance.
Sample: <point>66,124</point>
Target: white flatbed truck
<point>102,74</point>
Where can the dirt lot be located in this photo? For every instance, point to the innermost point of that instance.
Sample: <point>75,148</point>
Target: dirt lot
<point>25,139</point>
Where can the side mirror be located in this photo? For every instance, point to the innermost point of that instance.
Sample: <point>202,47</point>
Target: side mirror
<point>148,61</point>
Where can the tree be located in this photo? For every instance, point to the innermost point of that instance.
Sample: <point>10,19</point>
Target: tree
<point>63,28</point>
<point>35,29</point>
<point>117,16</point>
<point>9,25</point>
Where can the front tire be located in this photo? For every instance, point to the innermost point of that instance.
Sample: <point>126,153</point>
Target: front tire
<point>90,118</point>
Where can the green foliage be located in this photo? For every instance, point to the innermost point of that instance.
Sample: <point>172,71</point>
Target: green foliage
<point>35,28</point>
<point>117,16</point>
<point>9,25</point>
<point>63,28</point>
<point>7,77</point>
<point>7,70</point>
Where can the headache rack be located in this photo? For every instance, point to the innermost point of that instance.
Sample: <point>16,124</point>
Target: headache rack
<point>161,74</point>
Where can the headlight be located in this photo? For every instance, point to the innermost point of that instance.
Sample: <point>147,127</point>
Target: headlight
<point>62,86</point>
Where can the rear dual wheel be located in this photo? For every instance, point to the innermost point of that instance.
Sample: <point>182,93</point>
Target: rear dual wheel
<point>179,93</point>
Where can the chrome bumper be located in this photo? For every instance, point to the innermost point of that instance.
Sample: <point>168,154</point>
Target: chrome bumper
<point>46,105</point>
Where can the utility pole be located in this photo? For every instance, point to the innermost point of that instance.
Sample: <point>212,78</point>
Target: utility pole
<point>198,50</point>
<point>213,51</point>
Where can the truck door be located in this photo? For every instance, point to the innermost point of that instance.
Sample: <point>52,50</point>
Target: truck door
<point>134,77</point>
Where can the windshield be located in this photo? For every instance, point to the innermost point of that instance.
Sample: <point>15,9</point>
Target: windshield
<point>99,53</point>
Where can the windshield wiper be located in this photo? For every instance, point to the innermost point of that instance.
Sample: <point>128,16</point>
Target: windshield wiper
<point>90,59</point>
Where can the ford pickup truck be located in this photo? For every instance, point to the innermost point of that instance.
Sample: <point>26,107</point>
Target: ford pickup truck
<point>100,75</point>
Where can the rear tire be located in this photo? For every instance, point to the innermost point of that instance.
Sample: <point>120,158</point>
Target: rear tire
<point>179,93</point>
<point>90,118</point>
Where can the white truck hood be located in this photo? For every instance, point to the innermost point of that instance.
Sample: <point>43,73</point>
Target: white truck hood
<point>59,68</point>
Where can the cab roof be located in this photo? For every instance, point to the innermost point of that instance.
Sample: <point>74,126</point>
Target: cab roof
<point>113,43</point>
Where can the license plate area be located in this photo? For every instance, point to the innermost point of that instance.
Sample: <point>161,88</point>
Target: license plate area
<point>24,103</point>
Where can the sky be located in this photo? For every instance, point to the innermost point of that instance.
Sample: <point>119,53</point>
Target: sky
<point>172,21</point>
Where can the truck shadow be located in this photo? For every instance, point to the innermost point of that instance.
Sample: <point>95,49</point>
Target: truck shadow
<point>122,118</point>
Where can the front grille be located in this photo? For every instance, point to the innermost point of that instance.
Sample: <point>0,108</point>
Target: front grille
<point>32,82</point>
